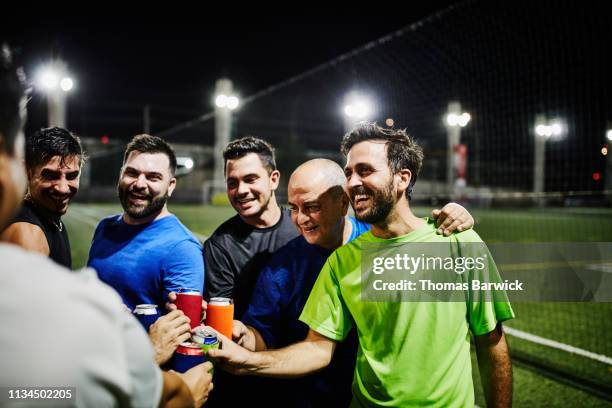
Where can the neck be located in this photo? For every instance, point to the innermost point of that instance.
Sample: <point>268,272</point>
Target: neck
<point>139,221</point>
<point>400,221</point>
<point>268,218</point>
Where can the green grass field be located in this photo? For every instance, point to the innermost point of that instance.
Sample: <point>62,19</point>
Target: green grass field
<point>585,325</point>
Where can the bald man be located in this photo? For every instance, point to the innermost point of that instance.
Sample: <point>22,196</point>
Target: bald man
<point>319,208</point>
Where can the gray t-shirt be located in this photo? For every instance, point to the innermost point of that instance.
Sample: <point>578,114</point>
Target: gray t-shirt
<point>69,329</point>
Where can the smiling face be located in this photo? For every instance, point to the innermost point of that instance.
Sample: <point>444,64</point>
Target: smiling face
<point>370,183</point>
<point>52,185</point>
<point>145,184</point>
<point>249,185</point>
<point>318,207</point>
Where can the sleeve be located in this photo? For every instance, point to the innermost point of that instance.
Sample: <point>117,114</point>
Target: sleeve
<point>325,311</point>
<point>183,267</point>
<point>93,240</point>
<point>485,308</point>
<point>219,272</point>
<point>146,379</point>
<point>264,311</point>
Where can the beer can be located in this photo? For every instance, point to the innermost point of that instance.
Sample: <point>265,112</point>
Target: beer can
<point>186,356</point>
<point>146,315</point>
<point>207,339</point>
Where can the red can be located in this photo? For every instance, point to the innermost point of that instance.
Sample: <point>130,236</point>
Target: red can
<point>190,302</point>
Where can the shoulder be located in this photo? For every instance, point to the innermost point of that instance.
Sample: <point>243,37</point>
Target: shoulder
<point>184,236</point>
<point>226,229</point>
<point>26,235</point>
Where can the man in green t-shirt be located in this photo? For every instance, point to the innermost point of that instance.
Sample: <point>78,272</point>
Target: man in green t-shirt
<point>410,353</point>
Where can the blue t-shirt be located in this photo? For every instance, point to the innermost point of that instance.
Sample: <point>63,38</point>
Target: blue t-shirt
<point>279,297</point>
<point>146,262</point>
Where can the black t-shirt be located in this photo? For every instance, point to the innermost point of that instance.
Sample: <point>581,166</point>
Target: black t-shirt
<point>235,254</point>
<point>57,238</point>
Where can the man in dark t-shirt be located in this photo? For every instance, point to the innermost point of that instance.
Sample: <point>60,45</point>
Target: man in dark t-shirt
<point>54,157</point>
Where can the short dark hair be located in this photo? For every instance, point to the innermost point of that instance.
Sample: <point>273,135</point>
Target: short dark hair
<point>249,144</point>
<point>402,151</point>
<point>151,144</point>
<point>46,143</point>
<point>13,97</point>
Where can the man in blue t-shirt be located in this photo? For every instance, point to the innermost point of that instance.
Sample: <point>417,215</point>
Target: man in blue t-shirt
<point>319,209</point>
<point>146,252</point>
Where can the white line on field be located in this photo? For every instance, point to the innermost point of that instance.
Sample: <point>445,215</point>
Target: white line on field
<point>82,217</point>
<point>557,345</point>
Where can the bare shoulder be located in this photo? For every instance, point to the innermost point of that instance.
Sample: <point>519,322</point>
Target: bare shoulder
<point>27,236</point>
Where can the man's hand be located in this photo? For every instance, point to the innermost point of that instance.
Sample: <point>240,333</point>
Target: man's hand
<point>199,382</point>
<point>230,356</point>
<point>452,217</point>
<point>242,336</point>
<point>167,333</point>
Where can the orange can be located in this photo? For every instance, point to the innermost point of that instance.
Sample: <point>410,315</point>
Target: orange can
<point>220,315</point>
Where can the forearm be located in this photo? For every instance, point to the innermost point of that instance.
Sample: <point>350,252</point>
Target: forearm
<point>175,392</point>
<point>293,361</point>
<point>495,369</point>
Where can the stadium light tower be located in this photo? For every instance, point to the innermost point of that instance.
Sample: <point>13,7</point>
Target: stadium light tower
<point>54,80</point>
<point>545,130</point>
<point>225,103</point>
<point>357,108</point>
<point>455,120</point>
<point>609,160</point>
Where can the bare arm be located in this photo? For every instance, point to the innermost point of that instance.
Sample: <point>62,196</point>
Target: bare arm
<point>26,235</point>
<point>175,392</point>
<point>495,367</point>
<point>190,389</point>
<point>299,359</point>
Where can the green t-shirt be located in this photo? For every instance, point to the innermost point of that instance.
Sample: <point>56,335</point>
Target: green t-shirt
<point>410,353</point>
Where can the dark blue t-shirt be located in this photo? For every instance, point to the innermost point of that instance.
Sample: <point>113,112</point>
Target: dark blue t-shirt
<point>279,297</point>
<point>146,262</point>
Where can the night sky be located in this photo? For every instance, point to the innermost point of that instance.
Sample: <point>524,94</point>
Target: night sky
<point>172,62</point>
<point>505,62</point>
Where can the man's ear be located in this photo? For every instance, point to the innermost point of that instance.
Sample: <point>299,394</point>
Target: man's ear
<point>275,179</point>
<point>404,176</point>
<point>171,186</point>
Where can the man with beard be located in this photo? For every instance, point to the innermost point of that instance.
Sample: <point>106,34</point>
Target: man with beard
<point>410,353</point>
<point>53,158</point>
<point>146,252</point>
<point>89,348</point>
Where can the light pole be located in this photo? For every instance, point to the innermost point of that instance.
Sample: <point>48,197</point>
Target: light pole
<point>54,80</point>
<point>609,160</point>
<point>455,120</point>
<point>545,130</point>
<point>225,103</point>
